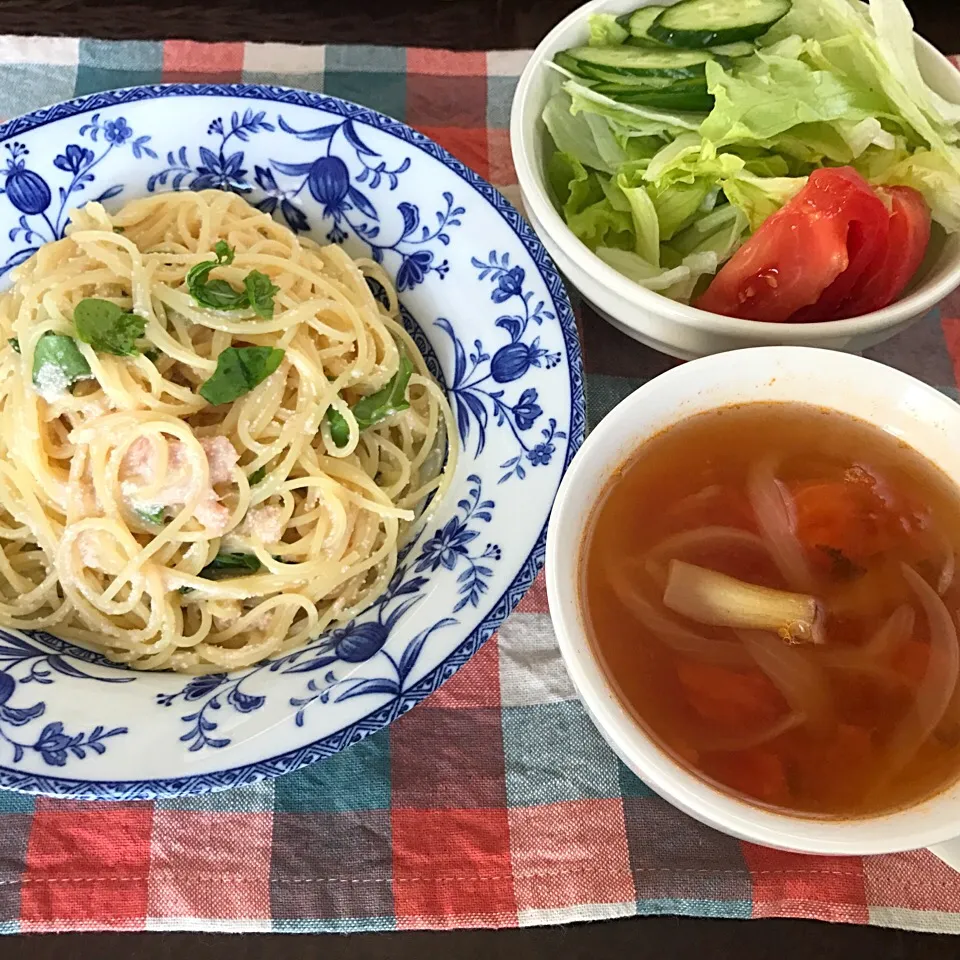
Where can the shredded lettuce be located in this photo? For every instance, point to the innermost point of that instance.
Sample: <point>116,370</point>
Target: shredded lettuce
<point>666,197</point>
<point>778,94</point>
<point>573,135</point>
<point>642,120</point>
<point>934,177</point>
<point>894,28</point>
<point>759,197</point>
<point>586,206</point>
<point>605,31</point>
<point>646,225</point>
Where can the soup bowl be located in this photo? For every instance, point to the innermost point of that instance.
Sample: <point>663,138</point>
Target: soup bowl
<point>903,407</point>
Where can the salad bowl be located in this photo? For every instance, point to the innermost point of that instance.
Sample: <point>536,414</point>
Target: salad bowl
<point>488,311</point>
<point>674,327</point>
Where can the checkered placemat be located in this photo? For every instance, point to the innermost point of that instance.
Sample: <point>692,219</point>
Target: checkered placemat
<point>495,803</point>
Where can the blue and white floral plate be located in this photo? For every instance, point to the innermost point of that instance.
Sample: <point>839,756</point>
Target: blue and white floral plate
<point>490,313</point>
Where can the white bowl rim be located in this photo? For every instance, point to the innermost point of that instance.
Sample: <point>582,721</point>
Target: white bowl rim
<point>535,195</point>
<point>639,749</point>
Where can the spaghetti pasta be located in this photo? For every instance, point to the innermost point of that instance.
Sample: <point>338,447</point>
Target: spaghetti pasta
<point>235,478</point>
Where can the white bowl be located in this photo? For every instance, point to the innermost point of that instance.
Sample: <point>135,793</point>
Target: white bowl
<point>655,320</point>
<point>74,725</point>
<point>900,405</point>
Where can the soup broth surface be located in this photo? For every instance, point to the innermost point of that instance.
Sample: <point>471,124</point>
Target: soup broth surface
<point>847,712</point>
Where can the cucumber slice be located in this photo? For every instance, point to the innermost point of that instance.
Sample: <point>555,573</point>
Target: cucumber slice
<point>638,22</point>
<point>696,85</point>
<point>563,59</point>
<point>646,43</point>
<point>634,61</point>
<point>707,23</point>
<point>694,100</point>
<point>631,80</point>
<point>734,50</point>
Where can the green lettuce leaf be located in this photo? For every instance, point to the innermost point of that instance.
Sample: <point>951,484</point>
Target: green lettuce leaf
<point>646,226</point>
<point>685,179</point>
<point>933,176</point>
<point>678,283</point>
<point>605,31</point>
<point>584,198</point>
<point>779,94</point>
<point>767,165</point>
<point>894,31</point>
<point>573,135</point>
<point>720,232</point>
<point>840,36</point>
<point>678,204</point>
<point>573,186</point>
<point>641,120</point>
<point>759,197</point>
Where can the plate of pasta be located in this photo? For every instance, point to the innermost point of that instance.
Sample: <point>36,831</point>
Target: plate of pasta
<point>286,393</point>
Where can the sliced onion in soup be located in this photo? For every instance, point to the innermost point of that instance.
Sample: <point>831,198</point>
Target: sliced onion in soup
<point>672,634</point>
<point>706,538</point>
<point>696,500</point>
<point>711,743</point>
<point>894,631</point>
<point>774,512</point>
<point>949,568</point>
<point>939,682</point>
<point>803,684</point>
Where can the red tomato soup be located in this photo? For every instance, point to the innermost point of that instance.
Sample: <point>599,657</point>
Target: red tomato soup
<point>771,590</point>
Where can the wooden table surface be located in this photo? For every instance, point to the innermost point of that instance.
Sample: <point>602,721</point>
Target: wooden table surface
<point>456,24</point>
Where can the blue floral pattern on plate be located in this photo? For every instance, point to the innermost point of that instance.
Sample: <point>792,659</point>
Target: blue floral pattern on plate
<point>481,300</point>
<point>30,194</point>
<point>328,180</point>
<point>21,663</point>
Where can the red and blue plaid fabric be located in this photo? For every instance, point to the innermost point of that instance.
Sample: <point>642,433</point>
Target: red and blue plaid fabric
<point>495,803</point>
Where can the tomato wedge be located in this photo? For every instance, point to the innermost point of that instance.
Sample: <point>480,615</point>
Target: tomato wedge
<point>867,244</point>
<point>835,222</point>
<point>887,277</point>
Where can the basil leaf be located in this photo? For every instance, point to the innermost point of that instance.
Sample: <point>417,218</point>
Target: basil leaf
<point>57,364</point>
<point>197,276</point>
<point>225,565</point>
<point>108,328</point>
<point>389,400</point>
<point>257,292</point>
<point>219,295</point>
<point>239,370</point>
<point>257,476</point>
<point>339,428</point>
<point>154,516</point>
<point>15,343</point>
<point>377,406</point>
<point>260,292</point>
<point>199,272</point>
